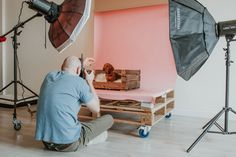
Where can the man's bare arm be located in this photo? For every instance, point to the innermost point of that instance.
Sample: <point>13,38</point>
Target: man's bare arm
<point>94,104</point>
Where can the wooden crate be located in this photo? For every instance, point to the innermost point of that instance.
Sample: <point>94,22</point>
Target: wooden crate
<point>130,79</point>
<point>133,113</point>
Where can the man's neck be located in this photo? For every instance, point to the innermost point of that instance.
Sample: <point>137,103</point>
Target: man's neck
<point>71,72</point>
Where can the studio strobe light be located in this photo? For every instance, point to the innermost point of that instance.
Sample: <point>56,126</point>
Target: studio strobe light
<point>193,36</point>
<point>226,28</point>
<point>66,22</point>
<point>67,19</point>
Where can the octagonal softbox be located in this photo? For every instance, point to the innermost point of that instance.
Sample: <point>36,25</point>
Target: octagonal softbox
<point>192,35</point>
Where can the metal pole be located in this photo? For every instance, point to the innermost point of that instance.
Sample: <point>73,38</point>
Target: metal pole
<point>228,62</point>
<point>15,44</point>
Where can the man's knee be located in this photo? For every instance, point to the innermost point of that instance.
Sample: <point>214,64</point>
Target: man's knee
<point>109,120</point>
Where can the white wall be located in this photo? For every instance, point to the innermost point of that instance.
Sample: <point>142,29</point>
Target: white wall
<point>2,11</point>
<point>1,44</point>
<point>204,94</point>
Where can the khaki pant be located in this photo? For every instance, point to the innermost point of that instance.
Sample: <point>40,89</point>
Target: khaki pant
<point>89,130</point>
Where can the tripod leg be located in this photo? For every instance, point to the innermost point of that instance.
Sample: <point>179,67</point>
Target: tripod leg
<point>27,88</point>
<point>6,86</point>
<point>205,131</point>
<point>212,119</point>
<point>232,111</point>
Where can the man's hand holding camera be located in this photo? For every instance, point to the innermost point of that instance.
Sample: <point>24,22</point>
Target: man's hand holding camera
<point>89,73</point>
<point>89,76</point>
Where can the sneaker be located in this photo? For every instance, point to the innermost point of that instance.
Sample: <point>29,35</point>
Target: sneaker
<point>99,139</point>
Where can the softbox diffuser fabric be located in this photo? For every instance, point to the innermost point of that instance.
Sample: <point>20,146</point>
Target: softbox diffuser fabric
<point>192,35</point>
<point>73,16</point>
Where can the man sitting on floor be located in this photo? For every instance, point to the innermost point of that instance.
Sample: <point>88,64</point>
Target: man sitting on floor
<point>60,99</point>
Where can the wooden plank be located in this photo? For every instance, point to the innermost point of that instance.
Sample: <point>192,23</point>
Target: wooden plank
<point>148,118</point>
<point>129,77</point>
<point>122,103</point>
<point>170,105</point>
<point>108,102</point>
<point>127,122</point>
<point>158,115</point>
<point>117,85</point>
<point>168,110</point>
<point>160,105</point>
<point>124,72</point>
<point>121,108</point>
<point>132,85</point>
<point>85,111</point>
<point>96,115</point>
<point>85,117</point>
<point>157,119</point>
<point>122,111</point>
<point>160,99</point>
<point>170,94</point>
<point>109,85</point>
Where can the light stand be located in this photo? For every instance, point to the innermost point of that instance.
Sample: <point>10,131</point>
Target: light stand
<point>223,130</point>
<point>15,100</point>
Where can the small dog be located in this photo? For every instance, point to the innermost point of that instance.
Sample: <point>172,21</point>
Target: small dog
<point>111,75</point>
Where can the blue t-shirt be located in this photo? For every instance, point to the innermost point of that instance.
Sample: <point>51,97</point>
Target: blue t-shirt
<point>60,98</point>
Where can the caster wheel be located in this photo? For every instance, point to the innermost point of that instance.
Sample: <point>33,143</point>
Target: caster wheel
<point>144,131</point>
<point>168,116</point>
<point>17,126</point>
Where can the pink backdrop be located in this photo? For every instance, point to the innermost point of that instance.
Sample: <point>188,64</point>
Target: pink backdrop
<point>137,39</point>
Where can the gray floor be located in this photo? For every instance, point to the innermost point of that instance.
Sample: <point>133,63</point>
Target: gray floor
<point>168,138</point>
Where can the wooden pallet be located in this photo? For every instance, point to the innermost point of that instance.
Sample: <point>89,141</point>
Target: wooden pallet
<point>133,112</point>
